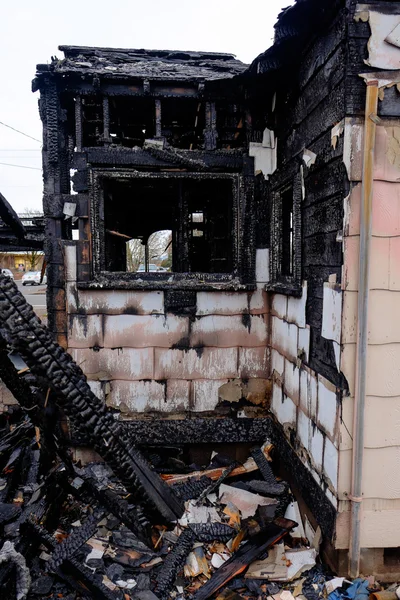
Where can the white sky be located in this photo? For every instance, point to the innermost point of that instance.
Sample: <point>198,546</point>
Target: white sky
<point>32,30</point>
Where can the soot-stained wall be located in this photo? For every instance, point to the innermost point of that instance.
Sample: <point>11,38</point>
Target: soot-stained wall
<point>175,343</point>
<point>308,110</point>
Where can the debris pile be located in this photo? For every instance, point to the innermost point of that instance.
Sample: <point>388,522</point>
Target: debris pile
<point>73,531</point>
<point>141,524</point>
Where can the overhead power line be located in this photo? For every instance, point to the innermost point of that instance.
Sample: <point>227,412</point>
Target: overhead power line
<point>21,132</point>
<point>20,166</point>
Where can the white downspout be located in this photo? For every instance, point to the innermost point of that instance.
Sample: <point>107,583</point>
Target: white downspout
<point>371,108</point>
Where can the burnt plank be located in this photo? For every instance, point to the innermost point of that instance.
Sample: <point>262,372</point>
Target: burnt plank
<point>324,217</point>
<point>327,114</point>
<point>244,556</point>
<point>321,86</point>
<point>325,182</point>
<point>322,249</point>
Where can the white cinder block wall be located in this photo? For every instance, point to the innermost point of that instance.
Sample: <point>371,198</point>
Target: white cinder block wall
<point>141,359</point>
<point>302,400</point>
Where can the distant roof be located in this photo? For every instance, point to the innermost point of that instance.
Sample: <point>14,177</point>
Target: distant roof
<point>9,217</point>
<point>152,64</point>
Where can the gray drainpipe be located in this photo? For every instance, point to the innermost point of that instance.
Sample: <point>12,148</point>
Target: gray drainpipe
<point>371,108</point>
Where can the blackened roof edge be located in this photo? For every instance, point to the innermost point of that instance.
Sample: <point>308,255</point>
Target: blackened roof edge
<point>296,26</point>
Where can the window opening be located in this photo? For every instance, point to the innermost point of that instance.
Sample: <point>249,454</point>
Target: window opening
<point>285,255</point>
<point>287,233</point>
<point>183,122</point>
<point>231,125</point>
<point>179,225</point>
<point>92,121</point>
<point>132,120</point>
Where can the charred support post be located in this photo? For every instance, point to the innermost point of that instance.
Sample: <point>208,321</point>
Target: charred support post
<point>106,120</point>
<point>78,123</point>
<point>210,134</point>
<point>158,117</point>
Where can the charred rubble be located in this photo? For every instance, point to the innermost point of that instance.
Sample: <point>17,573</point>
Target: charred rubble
<point>141,524</point>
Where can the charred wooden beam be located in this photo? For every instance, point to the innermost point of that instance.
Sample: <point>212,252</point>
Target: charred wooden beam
<point>27,397</point>
<point>25,332</point>
<point>275,488</point>
<point>263,487</point>
<point>173,563</point>
<point>244,556</point>
<point>210,133</point>
<point>78,123</point>
<point>210,532</point>
<point>79,536</point>
<point>193,488</point>
<point>106,120</point>
<point>249,467</point>
<point>73,572</point>
<point>214,485</point>
<point>133,517</point>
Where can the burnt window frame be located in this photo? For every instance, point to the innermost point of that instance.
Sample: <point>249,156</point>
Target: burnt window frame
<point>279,281</point>
<point>243,262</point>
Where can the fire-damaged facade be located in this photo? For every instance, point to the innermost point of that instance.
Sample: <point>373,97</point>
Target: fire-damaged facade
<point>266,181</point>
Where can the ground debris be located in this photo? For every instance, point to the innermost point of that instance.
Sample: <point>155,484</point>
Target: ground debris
<point>144,525</point>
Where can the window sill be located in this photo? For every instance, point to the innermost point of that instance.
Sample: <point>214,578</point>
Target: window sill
<point>166,281</point>
<point>288,289</point>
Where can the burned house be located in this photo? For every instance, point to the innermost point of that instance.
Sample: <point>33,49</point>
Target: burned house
<point>269,179</point>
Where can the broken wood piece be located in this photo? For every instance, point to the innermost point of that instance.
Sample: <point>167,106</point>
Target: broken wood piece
<point>212,532</point>
<point>264,487</point>
<point>246,502</point>
<point>244,556</point>
<point>24,370</point>
<point>248,467</point>
<point>216,483</point>
<point>262,463</point>
<point>118,234</point>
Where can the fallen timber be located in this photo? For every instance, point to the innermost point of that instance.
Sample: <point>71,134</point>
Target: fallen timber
<point>47,360</point>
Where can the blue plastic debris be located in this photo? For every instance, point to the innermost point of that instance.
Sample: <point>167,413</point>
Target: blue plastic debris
<point>358,590</point>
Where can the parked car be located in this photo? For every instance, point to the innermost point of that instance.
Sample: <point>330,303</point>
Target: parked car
<point>7,273</point>
<point>152,268</point>
<point>33,278</point>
